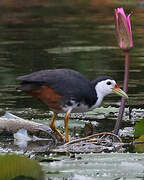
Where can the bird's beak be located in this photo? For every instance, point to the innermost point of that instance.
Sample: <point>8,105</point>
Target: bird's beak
<point>120,92</point>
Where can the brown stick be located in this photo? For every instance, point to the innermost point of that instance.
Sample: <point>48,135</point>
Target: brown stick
<point>97,134</point>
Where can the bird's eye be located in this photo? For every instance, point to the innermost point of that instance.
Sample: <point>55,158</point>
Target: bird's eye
<point>108,83</point>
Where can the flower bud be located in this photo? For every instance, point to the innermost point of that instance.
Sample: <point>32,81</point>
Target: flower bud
<point>123,29</point>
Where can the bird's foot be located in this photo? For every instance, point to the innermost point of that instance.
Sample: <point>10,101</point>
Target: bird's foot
<point>65,139</point>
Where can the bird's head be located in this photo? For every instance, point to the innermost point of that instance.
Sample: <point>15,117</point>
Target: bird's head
<point>107,85</point>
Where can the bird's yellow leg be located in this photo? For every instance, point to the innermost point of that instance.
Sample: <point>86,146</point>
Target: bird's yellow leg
<point>52,125</point>
<point>66,125</point>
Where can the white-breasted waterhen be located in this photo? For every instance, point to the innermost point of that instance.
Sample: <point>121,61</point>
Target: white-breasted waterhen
<point>67,91</point>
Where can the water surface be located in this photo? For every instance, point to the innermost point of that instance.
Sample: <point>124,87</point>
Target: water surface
<point>66,34</point>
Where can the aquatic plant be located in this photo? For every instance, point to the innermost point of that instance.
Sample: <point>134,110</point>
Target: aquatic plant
<point>125,42</point>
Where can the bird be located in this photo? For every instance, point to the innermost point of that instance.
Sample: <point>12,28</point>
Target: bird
<point>67,91</point>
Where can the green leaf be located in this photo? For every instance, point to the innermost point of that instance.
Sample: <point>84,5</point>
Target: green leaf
<point>12,166</point>
<point>140,139</point>
<point>139,129</point>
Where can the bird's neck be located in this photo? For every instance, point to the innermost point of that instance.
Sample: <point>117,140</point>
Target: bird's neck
<point>98,94</point>
<point>98,102</point>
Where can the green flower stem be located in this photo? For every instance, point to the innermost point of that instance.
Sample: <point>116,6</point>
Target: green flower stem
<point>123,100</point>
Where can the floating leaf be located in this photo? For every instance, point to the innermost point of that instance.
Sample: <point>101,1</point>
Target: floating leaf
<point>139,129</point>
<point>98,166</point>
<point>73,49</point>
<point>12,166</point>
<point>139,144</point>
<point>139,148</point>
<point>140,139</point>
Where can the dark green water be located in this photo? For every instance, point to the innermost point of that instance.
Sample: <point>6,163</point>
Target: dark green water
<point>66,34</point>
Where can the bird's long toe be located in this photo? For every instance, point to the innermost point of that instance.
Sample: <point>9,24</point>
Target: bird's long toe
<point>65,139</point>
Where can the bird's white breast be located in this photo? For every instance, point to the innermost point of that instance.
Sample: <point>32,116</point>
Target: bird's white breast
<point>80,108</point>
<point>76,107</point>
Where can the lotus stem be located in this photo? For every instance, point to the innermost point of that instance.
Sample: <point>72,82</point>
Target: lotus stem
<point>123,100</point>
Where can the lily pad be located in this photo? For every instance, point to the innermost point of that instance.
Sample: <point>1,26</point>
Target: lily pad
<point>140,139</point>
<point>71,49</point>
<point>139,144</point>
<point>12,166</point>
<point>139,148</point>
<point>101,166</point>
<point>139,129</point>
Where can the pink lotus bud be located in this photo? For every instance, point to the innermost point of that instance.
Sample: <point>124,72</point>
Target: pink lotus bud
<point>123,28</point>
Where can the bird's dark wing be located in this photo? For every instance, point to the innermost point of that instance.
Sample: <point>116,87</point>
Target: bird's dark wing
<point>66,82</point>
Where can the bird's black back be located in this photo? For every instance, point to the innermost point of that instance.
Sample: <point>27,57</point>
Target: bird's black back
<point>66,82</point>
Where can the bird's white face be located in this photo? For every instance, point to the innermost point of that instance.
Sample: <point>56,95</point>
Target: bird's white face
<point>105,87</point>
